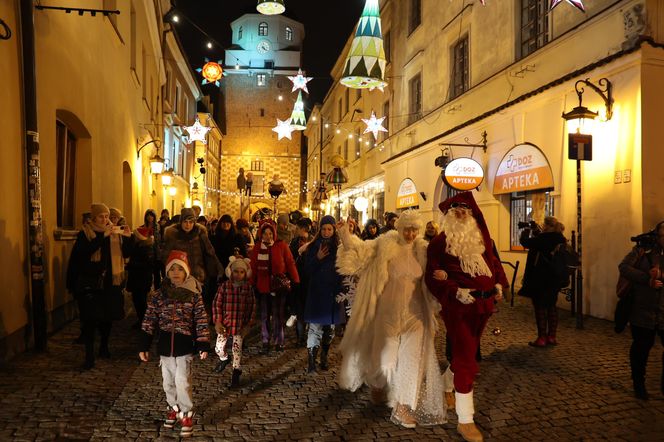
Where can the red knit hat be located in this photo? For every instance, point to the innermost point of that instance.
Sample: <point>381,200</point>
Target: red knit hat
<point>178,257</point>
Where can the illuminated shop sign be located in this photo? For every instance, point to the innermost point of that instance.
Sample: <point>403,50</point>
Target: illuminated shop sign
<point>523,168</point>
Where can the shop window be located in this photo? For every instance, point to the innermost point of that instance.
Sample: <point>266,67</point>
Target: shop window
<point>534,26</point>
<point>66,173</point>
<point>525,207</point>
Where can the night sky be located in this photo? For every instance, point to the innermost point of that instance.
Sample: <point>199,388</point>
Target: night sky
<point>327,26</point>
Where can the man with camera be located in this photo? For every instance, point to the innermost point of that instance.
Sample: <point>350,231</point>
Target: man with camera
<point>540,280</point>
<point>642,267</point>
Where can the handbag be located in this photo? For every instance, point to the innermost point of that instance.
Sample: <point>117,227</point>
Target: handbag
<point>625,300</point>
<point>279,283</point>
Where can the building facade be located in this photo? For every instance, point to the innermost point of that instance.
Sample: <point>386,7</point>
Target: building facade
<point>509,69</point>
<point>265,51</point>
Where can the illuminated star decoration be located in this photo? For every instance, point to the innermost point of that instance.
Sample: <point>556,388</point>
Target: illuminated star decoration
<point>211,72</point>
<point>374,125</point>
<point>283,129</point>
<point>197,132</point>
<point>576,3</point>
<point>300,81</point>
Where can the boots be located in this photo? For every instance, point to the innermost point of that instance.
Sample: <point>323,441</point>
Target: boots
<point>640,391</point>
<point>465,410</point>
<point>323,357</point>
<point>221,365</point>
<point>312,359</point>
<point>235,379</point>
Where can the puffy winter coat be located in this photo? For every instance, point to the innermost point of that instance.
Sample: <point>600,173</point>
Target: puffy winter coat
<point>203,261</point>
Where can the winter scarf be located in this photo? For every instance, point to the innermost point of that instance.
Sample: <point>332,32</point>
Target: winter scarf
<point>117,261</point>
<point>183,292</point>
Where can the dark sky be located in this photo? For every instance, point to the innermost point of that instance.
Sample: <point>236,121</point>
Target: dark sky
<point>327,25</point>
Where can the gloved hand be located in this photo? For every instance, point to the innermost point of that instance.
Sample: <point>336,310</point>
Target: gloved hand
<point>464,296</point>
<point>499,292</point>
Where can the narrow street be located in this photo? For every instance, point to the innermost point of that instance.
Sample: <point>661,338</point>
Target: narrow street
<point>579,390</point>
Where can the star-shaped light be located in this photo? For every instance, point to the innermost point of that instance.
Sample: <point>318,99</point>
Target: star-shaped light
<point>374,125</point>
<point>576,3</point>
<point>283,129</point>
<point>212,72</point>
<point>197,132</point>
<point>300,81</point>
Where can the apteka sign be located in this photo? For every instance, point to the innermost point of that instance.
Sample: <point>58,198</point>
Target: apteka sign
<point>524,167</point>
<point>463,174</point>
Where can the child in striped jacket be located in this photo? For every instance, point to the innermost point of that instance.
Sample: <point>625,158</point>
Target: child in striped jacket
<point>177,314</point>
<point>233,313</point>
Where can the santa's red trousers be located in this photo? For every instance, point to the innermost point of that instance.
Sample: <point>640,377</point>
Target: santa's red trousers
<point>464,330</point>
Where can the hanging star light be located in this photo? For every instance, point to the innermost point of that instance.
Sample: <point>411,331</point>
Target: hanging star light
<point>576,3</point>
<point>197,132</point>
<point>374,125</point>
<point>365,65</point>
<point>298,121</point>
<point>300,81</point>
<point>283,129</point>
<point>270,7</point>
<point>211,72</point>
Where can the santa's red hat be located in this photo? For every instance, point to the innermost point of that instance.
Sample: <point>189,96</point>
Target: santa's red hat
<point>468,199</point>
<point>178,257</point>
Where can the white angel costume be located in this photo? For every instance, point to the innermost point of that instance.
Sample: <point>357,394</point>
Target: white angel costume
<point>389,339</point>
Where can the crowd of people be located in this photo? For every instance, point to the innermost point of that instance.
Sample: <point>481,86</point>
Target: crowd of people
<point>382,289</point>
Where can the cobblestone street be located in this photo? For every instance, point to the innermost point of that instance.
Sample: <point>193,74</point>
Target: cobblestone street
<point>579,390</point>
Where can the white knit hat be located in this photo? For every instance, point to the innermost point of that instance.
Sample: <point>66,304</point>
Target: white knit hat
<point>234,263</point>
<point>408,218</point>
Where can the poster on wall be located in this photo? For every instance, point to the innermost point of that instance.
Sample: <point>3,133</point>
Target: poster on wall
<point>463,174</point>
<point>407,195</point>
<point>524,167</point>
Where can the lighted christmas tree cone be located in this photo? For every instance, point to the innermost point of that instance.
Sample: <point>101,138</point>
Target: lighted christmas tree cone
<point>271,7</point>
<point>365,65</point>
<point>298,120</point>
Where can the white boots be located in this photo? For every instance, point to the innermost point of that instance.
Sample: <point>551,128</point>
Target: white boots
<point>465,410</point>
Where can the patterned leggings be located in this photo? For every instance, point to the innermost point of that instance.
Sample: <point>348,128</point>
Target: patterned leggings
<point>237,349</point>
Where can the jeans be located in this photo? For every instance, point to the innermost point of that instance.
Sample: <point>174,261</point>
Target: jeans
<point>176,373</point>
<point>320,334</point>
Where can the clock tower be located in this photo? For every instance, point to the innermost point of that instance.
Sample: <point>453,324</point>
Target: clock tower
<point>265,50</point>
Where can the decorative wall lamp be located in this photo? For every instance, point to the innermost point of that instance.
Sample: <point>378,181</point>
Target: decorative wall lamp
<point>156,161</point>
<point>337,178</point>
<point>167,177</point>
<point>605,90</point>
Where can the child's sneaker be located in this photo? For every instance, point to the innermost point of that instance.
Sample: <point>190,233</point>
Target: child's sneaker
<point>186,424</point>
<point>171,417</point>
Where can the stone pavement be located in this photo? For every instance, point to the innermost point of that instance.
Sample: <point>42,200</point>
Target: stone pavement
<point>577,391</point>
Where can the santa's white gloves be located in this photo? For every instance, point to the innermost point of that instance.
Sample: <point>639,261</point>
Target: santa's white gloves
<point>464,296</point>
<point>499,292</point>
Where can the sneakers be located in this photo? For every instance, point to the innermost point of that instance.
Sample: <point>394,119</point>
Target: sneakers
<point>171,417</point>
<point>186,423</point>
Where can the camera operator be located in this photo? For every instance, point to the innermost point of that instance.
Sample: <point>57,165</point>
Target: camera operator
<point>539,283</point>
<point>641,266</point>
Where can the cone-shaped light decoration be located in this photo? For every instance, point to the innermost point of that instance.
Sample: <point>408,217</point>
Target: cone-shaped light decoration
<point>298,121</point>
<point>365,65</point>
<point>271,7</point>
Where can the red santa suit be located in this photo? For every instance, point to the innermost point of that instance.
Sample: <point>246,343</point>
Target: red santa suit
<point>464,322</point>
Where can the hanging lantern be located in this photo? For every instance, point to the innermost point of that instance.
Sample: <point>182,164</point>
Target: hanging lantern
<point>365,64</point>
<point>298,121</point>
<point>337,177</point>
<point>271,7</point>
<point>211,72</point>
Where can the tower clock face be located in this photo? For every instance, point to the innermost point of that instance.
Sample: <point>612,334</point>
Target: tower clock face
<point>263,46</point>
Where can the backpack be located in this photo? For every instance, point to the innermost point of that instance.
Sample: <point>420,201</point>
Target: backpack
<point>558,265</point>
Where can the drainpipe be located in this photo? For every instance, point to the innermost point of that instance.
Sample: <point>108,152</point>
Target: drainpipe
<point>33,174</point>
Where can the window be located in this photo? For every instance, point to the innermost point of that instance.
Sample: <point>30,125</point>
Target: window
<point>460,68</point>
<point>185,109</point>
<point>261,80</point>
<point>168,85</point>
<point>66,173</point>
<point>176,102</point>
<point>144,67</point>
<point>339,109</point>
<point>262,112</point>
<point>239,33</point>
<point>358,145</point>
<point>269,64</point>
<point>415,103</point>
<point>289,33</point>
<point>346,150</point>
<point>534,26</point>
<point>347,100</point>
<point>132,43</point>
<point>386,121</point>
<point>415,17</point>
<point>262,28</point>
<point>387,46</point>
<point>527,206</point>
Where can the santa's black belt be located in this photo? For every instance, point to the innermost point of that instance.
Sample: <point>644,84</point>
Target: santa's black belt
<point>481,295</point>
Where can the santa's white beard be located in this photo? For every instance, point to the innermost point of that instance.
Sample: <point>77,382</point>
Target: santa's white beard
<point>464,240</point>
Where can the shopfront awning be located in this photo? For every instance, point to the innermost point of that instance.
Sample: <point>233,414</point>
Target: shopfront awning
<point>524,167</point>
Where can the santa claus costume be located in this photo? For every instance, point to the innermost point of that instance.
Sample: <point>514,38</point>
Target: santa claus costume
<point>389,339</point>
<point>475,279</point>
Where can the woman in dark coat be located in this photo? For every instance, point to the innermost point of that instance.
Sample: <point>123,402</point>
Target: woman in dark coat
<point>539,283</point>
<point>370,230</point>
<point>298,297</point>
<point>226,240</point>
<point>142,263</point>
<point>322,310</point>
<point>98,257</point>
<point>642,267</point>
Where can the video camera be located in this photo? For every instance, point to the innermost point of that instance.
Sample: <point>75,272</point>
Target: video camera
<point>528,224</point>
<point>647,240</point>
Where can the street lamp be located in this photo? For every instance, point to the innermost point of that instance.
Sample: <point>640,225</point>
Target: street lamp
<point>167,177</point>
<point>580,149</point>
<point>337,178</point>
